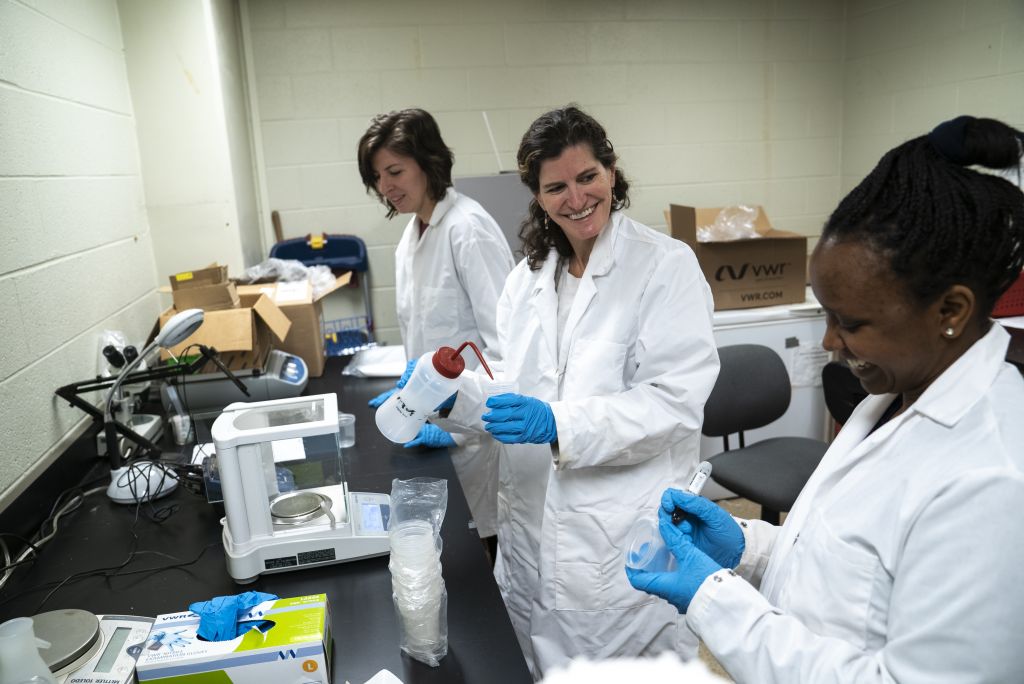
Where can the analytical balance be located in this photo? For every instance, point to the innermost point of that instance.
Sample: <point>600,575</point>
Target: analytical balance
<point>286,500</point>
<point>91,649</point>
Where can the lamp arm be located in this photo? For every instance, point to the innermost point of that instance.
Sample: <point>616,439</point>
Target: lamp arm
<point>109,427</point>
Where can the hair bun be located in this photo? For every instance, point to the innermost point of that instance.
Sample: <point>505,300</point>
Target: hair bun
<point>967,141</point>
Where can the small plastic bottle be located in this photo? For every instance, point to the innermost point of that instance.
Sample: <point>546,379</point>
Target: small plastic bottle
<point>435,378</point>
<point>19,654</point>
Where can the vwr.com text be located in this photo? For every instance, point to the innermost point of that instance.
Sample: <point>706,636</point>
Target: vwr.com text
<point>761,296</point>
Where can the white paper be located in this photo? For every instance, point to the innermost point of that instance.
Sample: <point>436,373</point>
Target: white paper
<point>377,362</point>
<point>288,450</point>
<point>201,451</point>
<point>805,363</point>
<point>292,292</point>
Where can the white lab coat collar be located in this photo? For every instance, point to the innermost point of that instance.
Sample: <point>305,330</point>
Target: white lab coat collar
<point>602,257</point>
<point>966,381</point>
<point>442,207</point>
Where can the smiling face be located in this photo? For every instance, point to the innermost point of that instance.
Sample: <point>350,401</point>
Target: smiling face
<point>576,192</point>
<point>892,343</point>
<point>403,183</point>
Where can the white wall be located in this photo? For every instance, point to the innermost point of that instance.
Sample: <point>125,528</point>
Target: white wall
<point>184,68</point>
<point>911,64</point>
<point>707,102</point>
<point>75,248</point>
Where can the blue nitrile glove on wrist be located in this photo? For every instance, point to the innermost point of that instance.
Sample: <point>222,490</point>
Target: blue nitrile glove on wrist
<point>679,586</point>
<point>431,436</point>
<point>218,617</point>
<point>406,374</point>
<point>519,419</point>
<point>379,400</point>
<point>706,524</point>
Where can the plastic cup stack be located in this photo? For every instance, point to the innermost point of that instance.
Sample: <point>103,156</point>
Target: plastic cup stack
<point>418,589</point>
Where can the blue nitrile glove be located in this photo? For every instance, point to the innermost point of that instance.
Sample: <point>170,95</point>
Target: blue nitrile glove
<point>406,374</point>
<point>679,586</point>
<point>218,617</point>
<point>519,419</point>
<point>379,400</point>
<point>706,524</point>
<point>432,437</point>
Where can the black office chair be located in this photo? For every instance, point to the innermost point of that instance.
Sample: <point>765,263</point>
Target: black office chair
<point>753,390</point>
<point>842,389</point>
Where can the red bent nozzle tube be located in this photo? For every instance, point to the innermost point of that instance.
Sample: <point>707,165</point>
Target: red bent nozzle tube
<point>480,356</point>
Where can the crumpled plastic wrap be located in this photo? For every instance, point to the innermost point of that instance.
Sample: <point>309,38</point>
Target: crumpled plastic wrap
<point>290,270</point>
<point>732,223</point>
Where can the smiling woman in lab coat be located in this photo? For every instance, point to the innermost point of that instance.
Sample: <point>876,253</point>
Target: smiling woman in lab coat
<point>901,560</point>
<point>606,328</point>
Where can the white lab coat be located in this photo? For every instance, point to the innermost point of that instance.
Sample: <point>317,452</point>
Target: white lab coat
<point>636,364</point>
<point>447,285</point>
<point>901,560</point>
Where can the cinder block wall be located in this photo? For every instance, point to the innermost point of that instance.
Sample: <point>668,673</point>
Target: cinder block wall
<point>708,103</point>
<point>910,65</point>
<point>75,253</point>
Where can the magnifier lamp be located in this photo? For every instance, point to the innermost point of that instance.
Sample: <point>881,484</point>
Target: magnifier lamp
<point>146,480</point>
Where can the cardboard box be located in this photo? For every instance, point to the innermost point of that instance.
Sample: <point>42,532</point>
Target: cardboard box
<point>207,288</point>
<point>295,648</point>
<point>763,271</point>
<point>305,312</point>
<point>242,336</point>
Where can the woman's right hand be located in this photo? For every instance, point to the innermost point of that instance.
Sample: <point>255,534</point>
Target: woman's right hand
<point>707,525</point>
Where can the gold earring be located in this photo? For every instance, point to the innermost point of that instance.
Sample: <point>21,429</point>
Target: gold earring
<point>950,332</point>
<point>547,222</point>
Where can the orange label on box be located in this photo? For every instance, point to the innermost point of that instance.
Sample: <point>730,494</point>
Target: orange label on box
<point>187,275</point>
<point>309,665</point>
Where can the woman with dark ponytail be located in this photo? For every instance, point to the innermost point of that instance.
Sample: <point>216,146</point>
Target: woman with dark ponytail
<point>901,560</point>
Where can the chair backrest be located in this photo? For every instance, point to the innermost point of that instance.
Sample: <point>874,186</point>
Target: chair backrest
<point>337,252</point>
<point>842,390</point>
<point>752,390</point>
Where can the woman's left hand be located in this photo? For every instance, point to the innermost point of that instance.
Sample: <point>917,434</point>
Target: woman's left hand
<point>519,419</point>
<point>679,586</point>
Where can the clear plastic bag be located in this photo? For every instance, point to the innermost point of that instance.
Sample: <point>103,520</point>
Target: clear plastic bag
<point>418,507</point>
<point>290,271</point>
<point>732,223</point>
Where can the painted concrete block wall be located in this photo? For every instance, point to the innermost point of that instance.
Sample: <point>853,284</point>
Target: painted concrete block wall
<point>184,70</point>
<point>75,251</point>
<point>708,103</point>
<point>914,63</point>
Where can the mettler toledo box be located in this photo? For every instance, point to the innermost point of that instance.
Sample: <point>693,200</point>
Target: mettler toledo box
<point>293,645</point>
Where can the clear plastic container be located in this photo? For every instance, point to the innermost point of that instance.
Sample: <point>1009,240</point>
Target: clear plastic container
<point>646,550</point>
<point>403,414</point>
<point>346,430</point>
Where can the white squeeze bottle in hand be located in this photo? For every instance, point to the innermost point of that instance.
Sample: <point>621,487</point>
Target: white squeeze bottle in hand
<point>435,378</point>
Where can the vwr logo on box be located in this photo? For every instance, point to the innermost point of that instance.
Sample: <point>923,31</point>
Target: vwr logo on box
<point>759,271</point>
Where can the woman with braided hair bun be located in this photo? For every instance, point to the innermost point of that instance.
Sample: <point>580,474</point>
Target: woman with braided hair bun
<point>901,559</point>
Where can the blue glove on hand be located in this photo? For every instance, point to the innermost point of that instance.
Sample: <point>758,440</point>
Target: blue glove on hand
<point>519,419</point>
<point>409,368</point>
<point>432,437</point>
<point>379,400</point>
<point>706,525</point>
<point>679,586</point>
